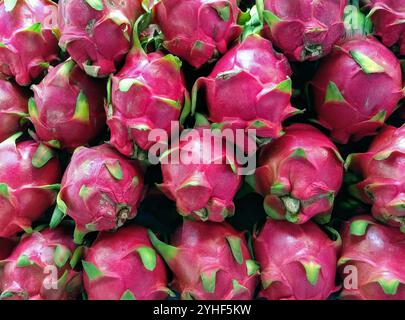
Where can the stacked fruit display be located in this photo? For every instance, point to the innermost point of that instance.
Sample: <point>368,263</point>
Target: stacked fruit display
<point>202,149</point>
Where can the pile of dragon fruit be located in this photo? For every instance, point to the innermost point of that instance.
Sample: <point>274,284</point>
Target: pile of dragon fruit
<point>86,214</point>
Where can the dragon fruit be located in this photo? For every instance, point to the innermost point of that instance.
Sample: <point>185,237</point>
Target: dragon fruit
<point>6,246</point>
<point>76,119</point>
<point>243,95</point>
<point>210,261</point>
<point>298,262</point>
<point>299,175</point>
<point>388,17</point>
<point>123,265</point>
<point>303,29</point>
<point>29,177</point>
<point>357,88</point>
<point>201,175</point>
<point>100,190</point>
<point>97,33</point>
<point>41,268</point>
<point>372,261</point>
<point>198,31</point>
<point>382,168</point>
<point>13,108</point>
<point>148,93</point>
<point>28,38</point>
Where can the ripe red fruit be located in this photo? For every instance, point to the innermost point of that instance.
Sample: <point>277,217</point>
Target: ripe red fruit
<point>100,190</point>
<point>76,119</point>
<point>382,168</point>
<point>13,107</point>
<point>41,268</point>
<point>198,30</point>
<point>372,260</point>
<point>299,175</point>
<point>298,262</point>
<point>28,38</point>
<point>357,88</point>
<point>303,29</point>
<point>29,181</point>
<point>210,261</point>
<point>124,266</point>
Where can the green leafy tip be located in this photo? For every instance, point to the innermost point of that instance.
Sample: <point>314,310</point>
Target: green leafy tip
<point>91,270</point>
<point>148,257</point>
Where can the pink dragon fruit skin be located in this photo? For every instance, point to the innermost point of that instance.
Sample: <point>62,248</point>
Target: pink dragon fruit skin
<point>97,34</point>
<point>357,88</point>
<point>371,262</point>
<point>29,177</point>
<point>388,17</point>
<point>76,119</point>
<point>298,262</point>
<point>198,30</point>
<point>303,29</point>
<point>36,263</point>
<point>210,261</point>
<point>13,107</point>
<point>204,186</point>
<point>299,175</point>
<point>124,266</point>
<point>148,93</point>
<point>6,247</point>
<point>382,168</point>
<point>241,94</point>
<point>100,190</point>
<point>28,41</point>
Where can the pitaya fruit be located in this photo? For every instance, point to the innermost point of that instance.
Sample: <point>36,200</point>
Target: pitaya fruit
<point>198,31</point>
<point>382,168</point>
<point>210,261</point>
<point>28,38</point>
<point>74,120</point>
<point>6,247</point>
<point>303,29</point>
<point>298,262</point>
<point>299,175</point>
<point>201,174</point>
<point>357,88</point>
<point>372,261</point>
<point>97,33</point>
<point>100,190</point>
<point>13,108</point>
<point>241,94</point>
<point>124,266</point>
<point>29,177</point>
<point>388,17</point>
<point>148,93</point>
<point>41,268</point>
